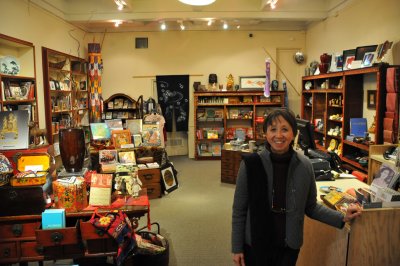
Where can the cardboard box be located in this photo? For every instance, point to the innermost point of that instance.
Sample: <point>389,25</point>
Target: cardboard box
<point>53,219</point>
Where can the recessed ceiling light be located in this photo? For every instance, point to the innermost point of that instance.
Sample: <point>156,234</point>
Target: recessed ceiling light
<point>163,26</point>
<point>225,26</point>
<point>197,2</point>
<point>120,4</point>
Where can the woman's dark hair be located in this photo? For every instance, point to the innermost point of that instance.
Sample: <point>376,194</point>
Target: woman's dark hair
<point>286,113</point>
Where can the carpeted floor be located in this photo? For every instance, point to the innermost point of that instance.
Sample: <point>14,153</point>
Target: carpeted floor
<point>196,218</point>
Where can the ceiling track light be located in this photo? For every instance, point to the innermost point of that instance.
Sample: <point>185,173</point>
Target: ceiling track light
<point>225,25</point>
<point>197,2</point>
<point>210,22</point>
<point>117,23</point>
<point>121,4</point>
<point>163,26</point>
<point>272,3</point>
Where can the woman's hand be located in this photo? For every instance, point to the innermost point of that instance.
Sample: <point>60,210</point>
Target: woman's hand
<point>352,212</point>
<point>238,259</point>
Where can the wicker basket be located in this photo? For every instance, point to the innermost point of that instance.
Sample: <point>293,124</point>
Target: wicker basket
<point>58,65</point>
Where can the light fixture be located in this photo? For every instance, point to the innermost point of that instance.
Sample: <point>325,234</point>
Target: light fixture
<point>120,4</point>
<point>225,25</point>
<point>210,22</point>
<point>238,27</point>
<point>182,26</point>
<point>197,2</point>
<point>117,23</point>
<point>272,3</point>
<point>163,26</point>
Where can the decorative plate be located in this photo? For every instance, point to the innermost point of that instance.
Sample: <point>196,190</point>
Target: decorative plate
<point>327,189</point>
<point>9,65</point>
<point>308,85</point>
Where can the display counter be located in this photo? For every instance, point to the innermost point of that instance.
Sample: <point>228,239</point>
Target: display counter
<point>371,239</point>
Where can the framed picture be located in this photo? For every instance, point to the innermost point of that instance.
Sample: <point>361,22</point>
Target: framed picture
<point>137,140</point>
<point>346,55</point>
<point>134,126</point>
<point>100,131</point>
<point>368,59</point>
<point>361,50</point>
<point>252,83</point>
<point>336,62</point>
<point>127,157</point>
<point>52,85</point>
<point>371,99</point>
<point>169,180</point>
<point>121,138</point>
<point>108,156</point>
<point>114,124</point>
<point>348,62</point>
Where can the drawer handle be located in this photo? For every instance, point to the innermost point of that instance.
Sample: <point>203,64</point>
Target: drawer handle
<point>40,250</point>
<point>56,237</point>
<point>6,252</point>
<point>148,176</point>
<point>17,229</point>
<point>100,232</point>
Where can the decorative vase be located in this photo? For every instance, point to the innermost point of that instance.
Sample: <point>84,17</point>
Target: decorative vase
<point>72,149</point>
<point>323,68</point>
<point>325,58</point>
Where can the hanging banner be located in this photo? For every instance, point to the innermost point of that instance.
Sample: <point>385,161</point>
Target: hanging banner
<point>95,71</point>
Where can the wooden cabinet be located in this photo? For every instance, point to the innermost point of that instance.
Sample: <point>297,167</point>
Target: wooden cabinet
<point>122,106</point>
<point>223,116</point>
<point>330,100</point>
<point>151,180</point>
<point>65,91</point>
<point>230,163</point>
<point>18,76</point>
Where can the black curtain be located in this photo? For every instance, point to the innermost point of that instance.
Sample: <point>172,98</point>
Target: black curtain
<point>173,97</point>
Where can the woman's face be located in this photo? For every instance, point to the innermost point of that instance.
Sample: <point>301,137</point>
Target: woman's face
<point>279,135</point>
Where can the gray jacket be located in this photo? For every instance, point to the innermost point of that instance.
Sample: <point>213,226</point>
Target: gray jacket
<point>301,194</point>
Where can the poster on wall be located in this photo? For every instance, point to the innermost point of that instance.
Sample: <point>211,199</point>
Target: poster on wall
<point>14,130</point>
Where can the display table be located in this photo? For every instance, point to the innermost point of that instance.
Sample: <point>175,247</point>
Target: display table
<point>23,240</point>
<point>372,239</point>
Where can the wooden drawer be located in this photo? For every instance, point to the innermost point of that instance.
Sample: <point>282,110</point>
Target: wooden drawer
<point>153,190</point>
<point>16,230</point>
<point>148,176</point>
<point>8,251</point>
<point>57,237</point>
<point>30,249</point>
<point>96,240</point>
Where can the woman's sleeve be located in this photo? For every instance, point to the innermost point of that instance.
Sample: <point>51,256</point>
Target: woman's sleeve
<point>239,210</point>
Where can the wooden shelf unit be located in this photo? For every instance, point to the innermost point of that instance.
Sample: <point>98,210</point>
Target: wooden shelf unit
<point>25,79</point>
<point>129,108</point>
<point>218,116</point>
<point>66,92</point>
<point>343,94</point>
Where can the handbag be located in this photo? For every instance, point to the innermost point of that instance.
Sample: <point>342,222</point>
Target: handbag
<point>118,226</point>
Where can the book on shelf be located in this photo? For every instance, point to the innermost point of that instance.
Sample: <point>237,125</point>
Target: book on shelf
<point>201,114</point>
<point>216,149</point>
<point>358,127</point>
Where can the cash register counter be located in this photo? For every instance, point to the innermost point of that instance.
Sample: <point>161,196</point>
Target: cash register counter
<point>372,239</point>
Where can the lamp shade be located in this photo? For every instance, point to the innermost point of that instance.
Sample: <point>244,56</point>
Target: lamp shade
<point>197,2</point>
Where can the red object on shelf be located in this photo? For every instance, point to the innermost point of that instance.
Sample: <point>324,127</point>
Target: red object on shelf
<point>360,176</point>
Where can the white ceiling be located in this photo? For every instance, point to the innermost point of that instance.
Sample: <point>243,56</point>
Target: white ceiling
<point>147,15</point>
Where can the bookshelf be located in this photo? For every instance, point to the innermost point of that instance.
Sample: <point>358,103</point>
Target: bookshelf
<point>220,117</point>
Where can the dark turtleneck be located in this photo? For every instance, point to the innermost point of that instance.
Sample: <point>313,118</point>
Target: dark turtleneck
<point>280,163</point>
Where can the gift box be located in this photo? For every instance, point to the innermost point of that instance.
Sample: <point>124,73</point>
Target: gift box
<point>32,169</point>
<point>71,196</point>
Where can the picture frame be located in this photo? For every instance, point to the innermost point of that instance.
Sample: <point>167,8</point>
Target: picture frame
<point>349,61</point>
<point>121,138</point>
<point>361,50</point>
<point>52,85</point>
<point>368,60</point>
<point>168,177</point>
<point>252,82</point>
<point>371,99</point>
<point>127,157</point>
<point>100,131</point>
<point>134,126</point>
<point>114,124</point>
<point>346,55</point>
<point>108,156</point>
<point>137,140</point>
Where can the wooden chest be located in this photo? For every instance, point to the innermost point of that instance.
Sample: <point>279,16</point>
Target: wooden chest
<point>151,180</point>
<point>230,162</point>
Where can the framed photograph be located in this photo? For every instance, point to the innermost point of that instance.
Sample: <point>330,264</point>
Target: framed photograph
<point>368,59</point>
<point>252,83</point>
<point>108,156</point>
<point>52,85</point>
<point>82,85</point>
<point>371,99</point>
<point>134,126</point>
<point>168,177</point>
<point>121,138</point>
<point>137,140</point>
<point>346,54</point>
<point>361,50</point>
<point>100,131</point>
<point>336,62</point>
<point>127,157</point>
<point>348,62</point>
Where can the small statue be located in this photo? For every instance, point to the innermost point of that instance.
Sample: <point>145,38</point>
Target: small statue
<point>230,82</point>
